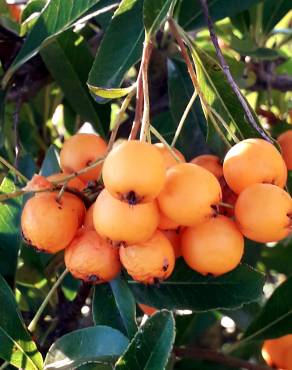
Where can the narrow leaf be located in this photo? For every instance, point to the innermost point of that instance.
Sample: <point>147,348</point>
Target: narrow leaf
<point>154,14</point>
<point>16,347</point>
<point>51,162</point>
<point>110,93</point>
<point>98,344</point>
<point>151,346</point>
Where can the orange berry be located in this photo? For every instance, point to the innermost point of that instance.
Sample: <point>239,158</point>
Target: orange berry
<point>214,247</point>
<point>15,11</point>
<point>75,183</point>
<point>253,161</point>
<point>77,205</point>
<point>166,223</point>
<point>88,220</point>
<point>134,172</point>
<point>168,158</point>
<point>189,194</point>
<point>150,261</point>
<point>211,163</point>
<point>47,224</point>
<point>91,258</point>
<point>288,358</point>
<point>148,310</point>
<point>122,222</point>
<point>81,150</point>
<point>273,350</point>
<point>174,238</point>
<point>285,142</point>
<point>263,213</point>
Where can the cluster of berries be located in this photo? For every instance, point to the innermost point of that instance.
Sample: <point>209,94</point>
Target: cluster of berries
<point>155,207</point>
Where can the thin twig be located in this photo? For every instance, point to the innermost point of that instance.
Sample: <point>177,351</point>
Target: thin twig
<point>148,46</point>
<point>34,321</point>
<point>13,169</point>
<point>118,119</point>
<point>15,128</point>
<point>165,143</point>
<point>61,192</point>
<point>228,75</point>
<point>214,356</point>
<point>183,118</point>
<point>139,106</point>
<point>226,205</point>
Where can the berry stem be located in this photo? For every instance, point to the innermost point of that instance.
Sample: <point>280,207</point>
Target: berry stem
<point>183,118</point>
<point>146,111</point>
<point>226,205</point>
<point>61,192</point>
<point>34,321</point>
<point>139,106</point>
<point>119,118</point>
<point>13,169</point>
<point>228,75</point>
<point>165,143</point>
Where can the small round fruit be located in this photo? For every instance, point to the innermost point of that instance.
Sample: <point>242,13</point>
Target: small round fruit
<point>88,220</point>
<point>174,237</point>
<point>148,310</point>
<point>166,223</point>
<point>122,222</point>
<point>168,158</point>
<point>47,224</point>
<point>211,163</point>
<point>91,258</point>
<point>151,261</point>
<point>285,142</point>
<point>214,247</point>
<point>263,213</point>
<point>75,183</point>
<point>288,358</point>
<point>80,151</point>
<point>273,350</point>
<point>134,172</point>
<point>77,205</point>
<point>253,161</point>
<point>189,194</point>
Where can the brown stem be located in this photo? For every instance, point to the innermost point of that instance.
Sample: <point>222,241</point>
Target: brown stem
<point>228,75</point>
<point>214,356</point>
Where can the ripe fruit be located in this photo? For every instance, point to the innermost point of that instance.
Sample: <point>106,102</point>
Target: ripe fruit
<point>263,213</point>
<point>166,223</point>
<point>75,183</point>
<point>88,220</point>
<point>148,310</point>
<point>77,205</point>
<point>285,141</point>
<point>288,358</point>
<point>81,150</point>
<point>174,238</point>
<point>91,258</point>
<point>214,247</point>
<point>150,261</point>
<point>211,163</point>
<point>47,224</point>
<point>189,194</point>
<point>253,161</point>
<point>168,158</point>
<point>122,222</point>
<point>134,172</point>
<point>274,350</point>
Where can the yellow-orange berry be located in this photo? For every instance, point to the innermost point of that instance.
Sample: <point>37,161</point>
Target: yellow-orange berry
<point>214,247</point>
<point>274,351</point>
<point>174,237</point>
<point>47,224</point>
<point>189,194</point>
<point>211,163</point>
<point>263,213</point>
<point>122,222</point>
<point>80,151</point>
<point>150,261</point>
<point>168,158</point>
<point>285,141</point>
<point>254,161</point>
<point>134,172</point>
<point>91,258</point>
<point>88,220</point>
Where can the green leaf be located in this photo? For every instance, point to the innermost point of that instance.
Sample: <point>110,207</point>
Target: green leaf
<point>56,17</point>
<point>186,289</point>
<point>192,138</point>
<point>120,49</point>
<point>275,319</point>
<point>99,344</point>
<point>110,93</point>
<point>273,13</point>
<point>151,346</point>
<point>154,14</point>
<point>279,257</point>
<point>32,7</point>
<point>191,15</point>
<point>74,63</point>
<point>221,97</point>
<point>50,164</point>
<point>9,236</point>
<point>114,305</point>
<point>16,347</point>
